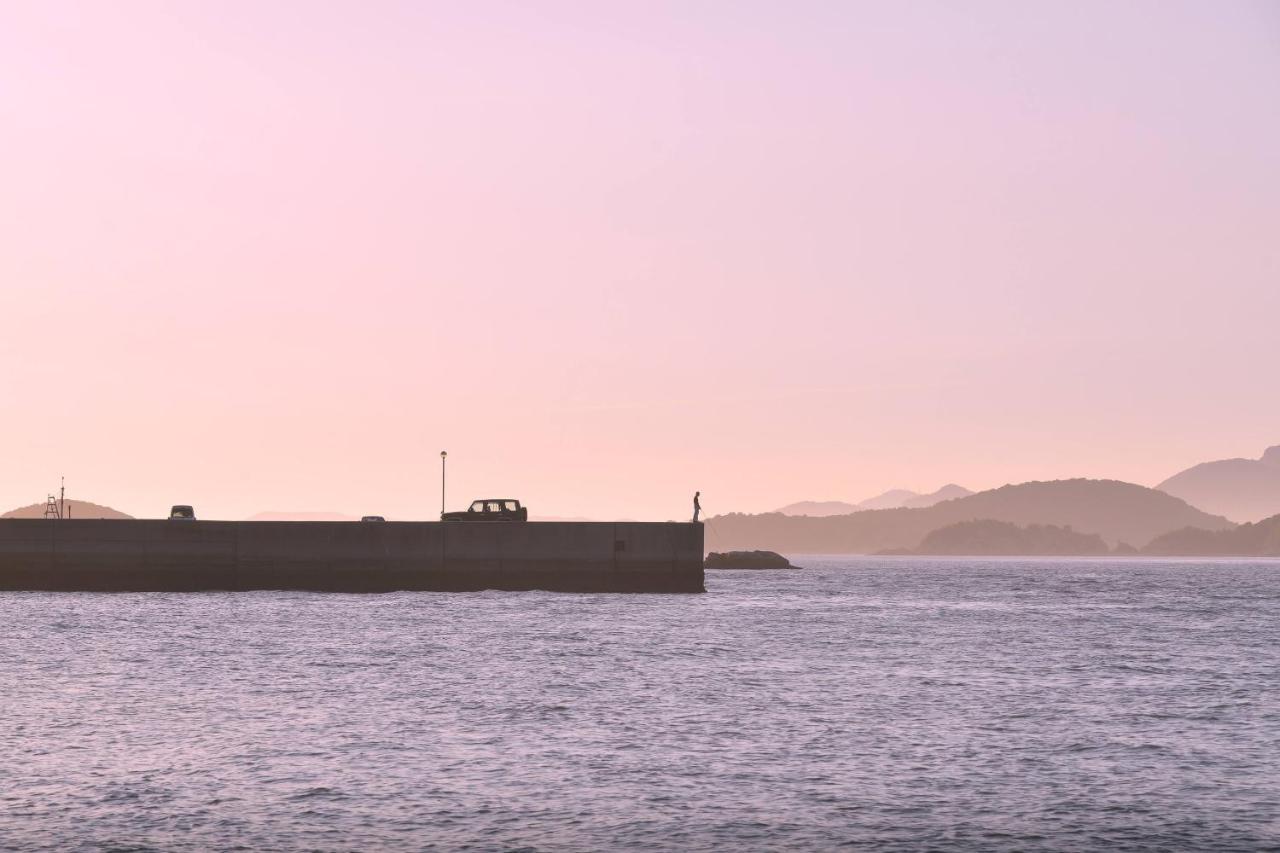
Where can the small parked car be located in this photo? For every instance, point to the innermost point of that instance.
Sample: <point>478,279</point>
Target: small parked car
<point>182,512</point>
<point>372,518</point>
<point>490,509</point>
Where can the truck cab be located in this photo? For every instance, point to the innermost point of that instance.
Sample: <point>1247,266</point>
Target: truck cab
<point>182,512</point>
<point>490,509</point>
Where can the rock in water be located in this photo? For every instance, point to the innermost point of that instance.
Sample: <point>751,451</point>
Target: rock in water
<point>747,560</point>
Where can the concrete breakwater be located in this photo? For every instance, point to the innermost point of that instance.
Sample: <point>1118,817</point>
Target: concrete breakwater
<point>181,556</point>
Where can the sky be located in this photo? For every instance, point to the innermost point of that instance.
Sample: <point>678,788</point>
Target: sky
<point>277,256</point>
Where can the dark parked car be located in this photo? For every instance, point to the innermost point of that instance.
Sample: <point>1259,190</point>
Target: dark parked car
<point>372,518</point>
<point>182,512</point>
<point>490,509</point>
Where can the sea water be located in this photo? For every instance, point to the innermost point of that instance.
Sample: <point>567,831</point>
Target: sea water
<point>887,703</point>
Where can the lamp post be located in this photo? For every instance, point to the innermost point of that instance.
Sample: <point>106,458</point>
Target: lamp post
<point>443,454</point>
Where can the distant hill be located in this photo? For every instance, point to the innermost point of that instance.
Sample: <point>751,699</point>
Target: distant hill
<point>891,499</point>
<point>1248,540</point>
<point>1118,512</point>
<point>1003,538</point>
<point>301,516</point>
<point>948,492</point>
<point>75,509</point>
<point>1240,489</point>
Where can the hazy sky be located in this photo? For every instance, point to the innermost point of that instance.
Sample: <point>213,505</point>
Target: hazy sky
<point>268,255</point>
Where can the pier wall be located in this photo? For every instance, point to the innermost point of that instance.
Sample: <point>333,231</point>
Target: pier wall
<point>161,555</point>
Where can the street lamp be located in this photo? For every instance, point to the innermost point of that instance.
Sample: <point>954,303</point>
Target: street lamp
<point>443,454</point>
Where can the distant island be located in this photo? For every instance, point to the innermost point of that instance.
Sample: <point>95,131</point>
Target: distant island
<point>1003,538</point>
<point>1240,489</point>
<point>1115,511</point>
<point>1248,540</point>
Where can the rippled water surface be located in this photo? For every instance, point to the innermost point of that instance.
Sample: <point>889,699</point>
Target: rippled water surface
<point>887,703</point>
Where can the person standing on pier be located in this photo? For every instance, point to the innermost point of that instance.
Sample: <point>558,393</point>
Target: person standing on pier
<point>697,507</point>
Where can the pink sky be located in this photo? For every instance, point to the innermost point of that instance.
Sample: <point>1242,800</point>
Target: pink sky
<point>269,255</point>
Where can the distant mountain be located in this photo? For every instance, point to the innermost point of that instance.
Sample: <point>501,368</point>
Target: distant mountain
<point>819,509</point>
<point>1115,511</point>
<point>891,499</point>
<point>1003,538</point>
<point>75,509</point>
<point>948,492</point>
<point>1248,540</point>
<point>1240,489</point>
<point>301,516</point>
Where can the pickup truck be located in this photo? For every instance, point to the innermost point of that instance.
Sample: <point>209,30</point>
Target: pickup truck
<point>490,509</point>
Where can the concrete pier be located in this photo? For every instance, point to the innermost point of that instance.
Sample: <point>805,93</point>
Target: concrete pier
<point>177,556</point>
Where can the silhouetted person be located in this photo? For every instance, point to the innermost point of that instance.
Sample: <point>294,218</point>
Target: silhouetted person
<point>697,506</point>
